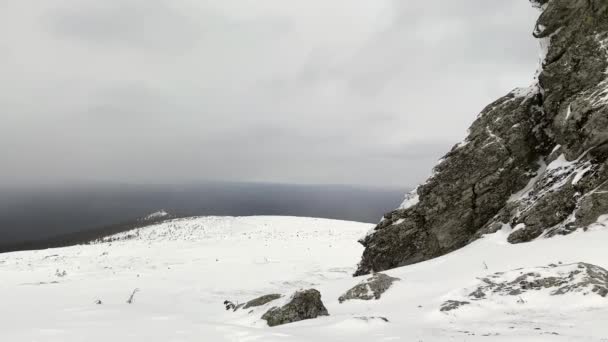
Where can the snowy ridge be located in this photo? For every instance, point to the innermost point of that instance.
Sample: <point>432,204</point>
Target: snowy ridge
<point>197,229</point>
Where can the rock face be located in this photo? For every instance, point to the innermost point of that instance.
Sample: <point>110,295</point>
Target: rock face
<point>554,280</point>
<point>302,305</point>
<point>534,160</point>
<point>371,288</point>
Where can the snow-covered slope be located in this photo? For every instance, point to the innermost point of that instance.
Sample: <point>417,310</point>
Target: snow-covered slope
<point>185,269</point>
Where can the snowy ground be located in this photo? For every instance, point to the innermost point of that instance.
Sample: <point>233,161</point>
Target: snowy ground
<point>186,268</point>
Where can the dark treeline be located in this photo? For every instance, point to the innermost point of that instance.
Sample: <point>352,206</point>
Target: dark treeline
<point>33,219</point>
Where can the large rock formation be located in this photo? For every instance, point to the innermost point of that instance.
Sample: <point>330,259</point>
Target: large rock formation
<point>534,160</point>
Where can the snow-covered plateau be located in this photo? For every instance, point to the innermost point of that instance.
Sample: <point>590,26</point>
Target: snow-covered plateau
<point>184,270</point>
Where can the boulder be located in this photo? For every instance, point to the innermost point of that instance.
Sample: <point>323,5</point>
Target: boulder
<point>302,305</point>
<point>371,288</point>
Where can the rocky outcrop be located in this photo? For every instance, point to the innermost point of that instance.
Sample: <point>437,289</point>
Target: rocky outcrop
<point>373,319</point>
<point>554,280</point>
<point>534,161</point>
<point>452,305</point>
<point>302,305</point>
<point>261,301</point>
<point>371,288</point>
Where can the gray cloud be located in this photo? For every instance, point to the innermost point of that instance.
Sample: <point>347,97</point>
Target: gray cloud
<point>142,23</point>
<point>305,92</point>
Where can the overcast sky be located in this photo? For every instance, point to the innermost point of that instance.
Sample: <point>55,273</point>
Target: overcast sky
<point>303,91</point>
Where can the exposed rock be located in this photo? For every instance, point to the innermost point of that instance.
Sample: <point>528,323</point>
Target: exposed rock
<point>553,280</point>
<point>302,305</point>
<point>534,159</point>
<point>592,205</point>
<point>452,305</point>
<point>373,318</point>
<point>261,301</point>
<point>469,187</point>
<point>232,306</point>
<point>371,288</point>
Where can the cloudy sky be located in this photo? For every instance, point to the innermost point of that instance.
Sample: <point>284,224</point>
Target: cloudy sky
<point>366,92</point>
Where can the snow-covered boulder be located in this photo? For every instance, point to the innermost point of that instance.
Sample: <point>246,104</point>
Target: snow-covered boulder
<point>370,288</point>
<point>301,305</point>
<point>533,285</point>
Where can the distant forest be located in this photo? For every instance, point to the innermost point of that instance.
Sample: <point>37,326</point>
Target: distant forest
<point>53,217</point>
